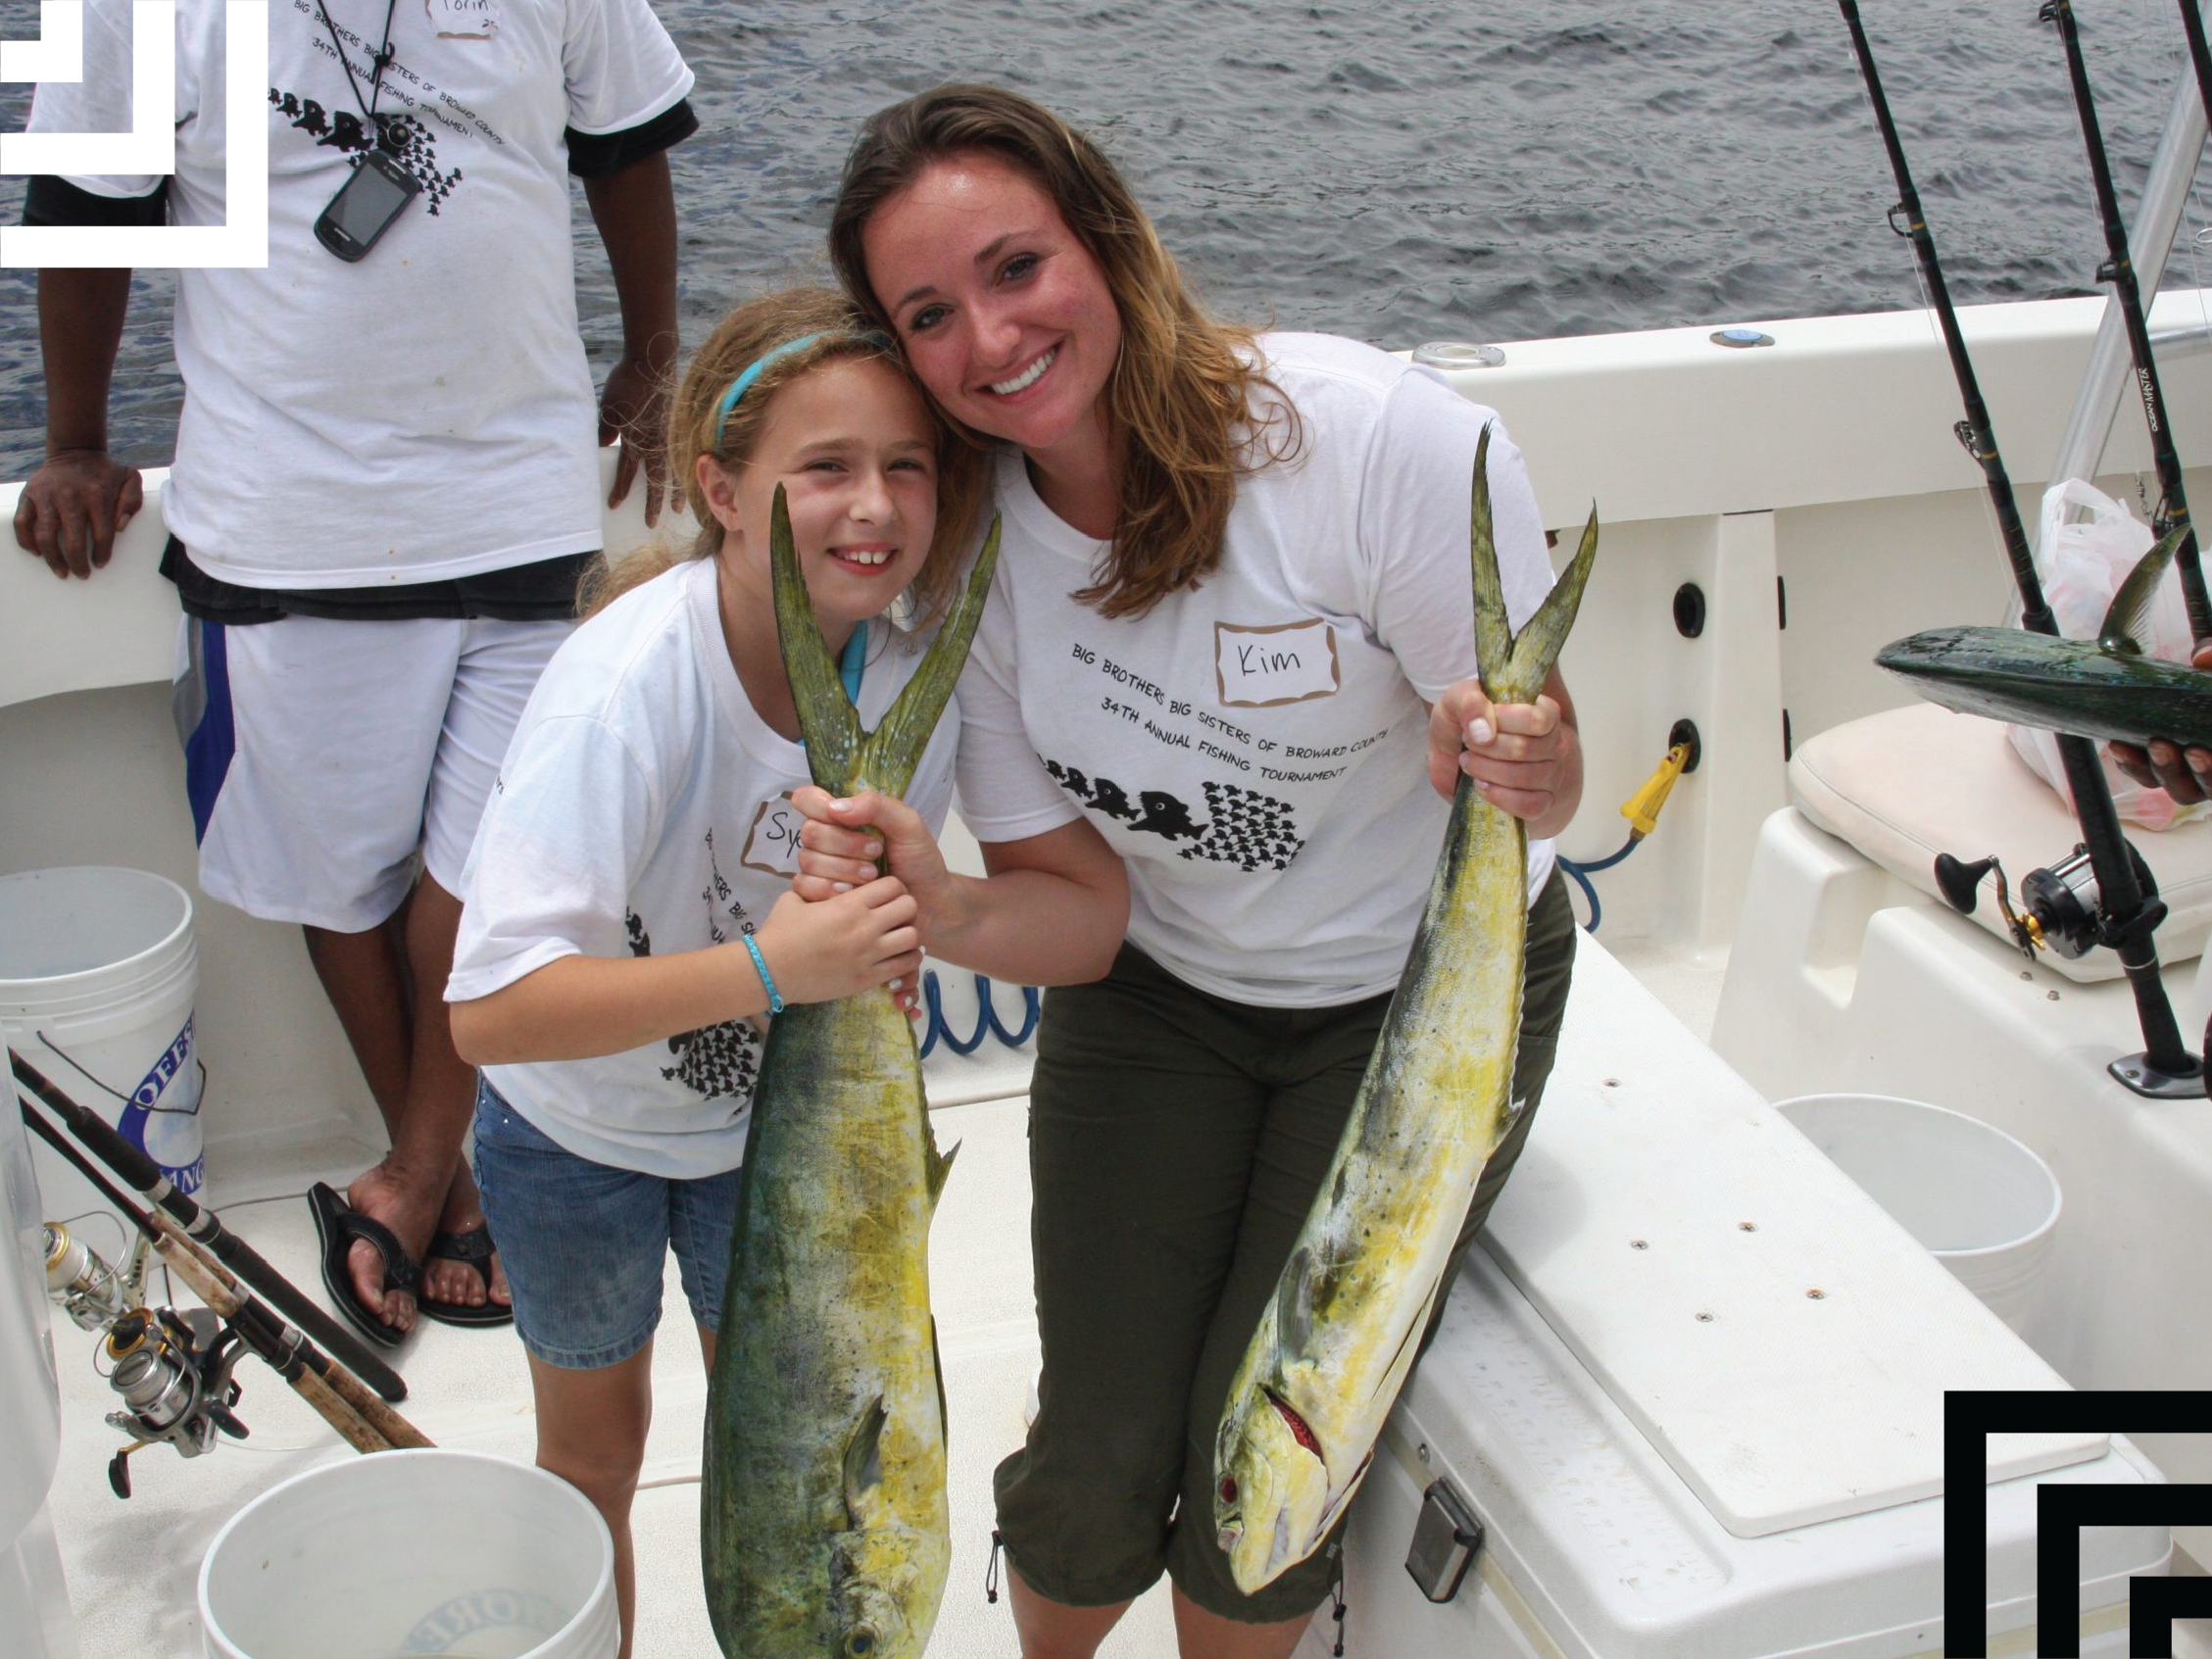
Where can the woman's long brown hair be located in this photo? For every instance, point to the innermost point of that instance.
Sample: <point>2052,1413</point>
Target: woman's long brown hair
<point>1187,394</point>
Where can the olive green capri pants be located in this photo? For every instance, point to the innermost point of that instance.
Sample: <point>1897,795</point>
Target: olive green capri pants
<point>1176,1141</point>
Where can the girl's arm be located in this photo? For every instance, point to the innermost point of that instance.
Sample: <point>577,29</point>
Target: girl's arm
<point>577,1007</point>
<point>1052,911</point>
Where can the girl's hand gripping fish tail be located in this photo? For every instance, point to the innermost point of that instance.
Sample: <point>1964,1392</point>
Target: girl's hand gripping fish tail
<point>825,1525</point>
<point>1344,1328</point>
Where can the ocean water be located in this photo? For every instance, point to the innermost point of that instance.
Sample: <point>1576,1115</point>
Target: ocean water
<point>1479,170</point>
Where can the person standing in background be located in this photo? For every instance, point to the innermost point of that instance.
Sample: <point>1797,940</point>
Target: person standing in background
<point>384,492</point>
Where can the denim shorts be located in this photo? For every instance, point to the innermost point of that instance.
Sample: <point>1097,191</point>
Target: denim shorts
<point>586,1245</point>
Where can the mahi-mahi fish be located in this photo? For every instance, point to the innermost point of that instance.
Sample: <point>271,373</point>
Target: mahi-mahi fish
<point>1336,1340</point>
<point>823,1523</point>
<point>2104,688</point>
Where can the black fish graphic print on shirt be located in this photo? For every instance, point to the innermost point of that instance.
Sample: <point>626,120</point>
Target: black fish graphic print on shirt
<point>718,1061</point>
<point>1243,827</point>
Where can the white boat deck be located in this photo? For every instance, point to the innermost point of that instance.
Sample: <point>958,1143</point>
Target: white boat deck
<point>132,1564</point>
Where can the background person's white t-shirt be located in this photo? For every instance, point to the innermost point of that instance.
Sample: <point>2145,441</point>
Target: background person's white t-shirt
<point>429,412</point>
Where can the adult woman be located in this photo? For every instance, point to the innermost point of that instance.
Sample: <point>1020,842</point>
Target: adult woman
<point>1269,642</point>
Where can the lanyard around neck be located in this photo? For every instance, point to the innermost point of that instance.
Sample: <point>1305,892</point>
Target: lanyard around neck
<point>381,57</point>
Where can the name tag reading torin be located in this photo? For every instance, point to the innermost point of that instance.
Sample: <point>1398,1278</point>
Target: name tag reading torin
<point>462,20</point>
<point>1267,667</point>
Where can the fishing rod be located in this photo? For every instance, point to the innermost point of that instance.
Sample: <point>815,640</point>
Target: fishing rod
<point>173,1370</point>
<point>1976,434</point>
<point>2124,909</point>
<point>206,1228</point>
<point>2119,269</point>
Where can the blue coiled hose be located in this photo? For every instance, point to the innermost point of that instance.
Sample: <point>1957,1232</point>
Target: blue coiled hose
<point>987,1017</point>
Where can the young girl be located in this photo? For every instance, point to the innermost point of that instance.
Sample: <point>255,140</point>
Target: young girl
<point>629,920</point>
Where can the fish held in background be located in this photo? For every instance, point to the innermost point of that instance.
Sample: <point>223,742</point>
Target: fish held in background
<point>1336,1340</point>
<point>823,1525</point>
<point>2104,688</point>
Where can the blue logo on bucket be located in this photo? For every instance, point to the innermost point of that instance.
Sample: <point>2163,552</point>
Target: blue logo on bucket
<point>169,1132</point>
<point>533,1615</point>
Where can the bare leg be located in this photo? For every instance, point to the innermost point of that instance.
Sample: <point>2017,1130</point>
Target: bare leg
<point>591,1433</point>
<point>441,1094</point>
<point>1052,1629</point>
<point>363,974</point>
<point>1199,1634</point>
<point>387,986</point>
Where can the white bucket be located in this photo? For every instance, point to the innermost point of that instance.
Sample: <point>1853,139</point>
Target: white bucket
<point>97,974</point>
<point>1983,1205</point>
<point>413,1552</point>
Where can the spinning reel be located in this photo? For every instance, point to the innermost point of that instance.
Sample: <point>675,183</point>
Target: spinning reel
<point>171,1369</point>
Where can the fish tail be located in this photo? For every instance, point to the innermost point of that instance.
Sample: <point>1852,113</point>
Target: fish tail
<point>1515,666</point>
<point>827,722</point>
<point>890,753</point>
<point>839,754</point>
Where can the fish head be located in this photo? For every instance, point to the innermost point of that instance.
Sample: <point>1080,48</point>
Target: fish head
<point>879,1606</point>
<point>1271,1498</point>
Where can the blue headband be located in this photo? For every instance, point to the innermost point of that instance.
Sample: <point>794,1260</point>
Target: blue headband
<point>752,373</point>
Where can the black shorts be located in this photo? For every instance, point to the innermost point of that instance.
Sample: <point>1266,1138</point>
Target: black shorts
<point>1177,1141</point>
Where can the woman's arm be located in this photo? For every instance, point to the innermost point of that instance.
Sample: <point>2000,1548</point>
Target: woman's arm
<point>578,1007</point>
<point>1052,911</point>
<point>1526,758</point>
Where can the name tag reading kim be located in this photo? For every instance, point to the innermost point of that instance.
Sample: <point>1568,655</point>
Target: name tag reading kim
<point>774,845</point>
<point>1267,667</point>
<point>462,20</point>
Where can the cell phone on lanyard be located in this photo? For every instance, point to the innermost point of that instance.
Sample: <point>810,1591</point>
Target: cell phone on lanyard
<point>365,205</point>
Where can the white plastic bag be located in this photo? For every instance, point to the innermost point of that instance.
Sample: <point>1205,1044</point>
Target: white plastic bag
<point>2086,544</point>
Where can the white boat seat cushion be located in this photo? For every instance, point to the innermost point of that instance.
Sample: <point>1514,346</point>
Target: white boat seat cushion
<point>1905,784</point>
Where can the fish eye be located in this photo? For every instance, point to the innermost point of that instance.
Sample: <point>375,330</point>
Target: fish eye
<point>859,1642</point>
<point>1228,1489</point>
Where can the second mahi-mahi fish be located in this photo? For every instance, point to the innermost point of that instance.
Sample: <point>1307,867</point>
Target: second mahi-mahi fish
<point>1342,1330</point>
<point>2105,688</point>
<point>823,1525</point>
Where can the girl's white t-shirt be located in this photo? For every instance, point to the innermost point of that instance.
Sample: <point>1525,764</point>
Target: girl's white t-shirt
<point>645,808</point>
<point>1254,747</point>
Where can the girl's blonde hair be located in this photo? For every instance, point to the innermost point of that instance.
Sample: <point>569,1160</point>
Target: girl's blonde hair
<point>697,427</point>
<point>1186,392</point>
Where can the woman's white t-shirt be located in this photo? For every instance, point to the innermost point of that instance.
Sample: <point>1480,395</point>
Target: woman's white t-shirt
<point>644,809</point>
<point>1254,747</point>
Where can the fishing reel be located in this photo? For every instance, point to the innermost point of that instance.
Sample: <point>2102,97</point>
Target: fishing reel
<point>2061,910</point>
<point>171,1369</point>
<point>91,1292</point>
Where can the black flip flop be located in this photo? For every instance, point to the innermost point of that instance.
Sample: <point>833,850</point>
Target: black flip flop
<point>472,1248</point>
<point>337,1224</point>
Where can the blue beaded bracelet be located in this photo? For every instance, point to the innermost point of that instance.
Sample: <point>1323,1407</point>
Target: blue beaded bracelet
<point>760,966</point>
